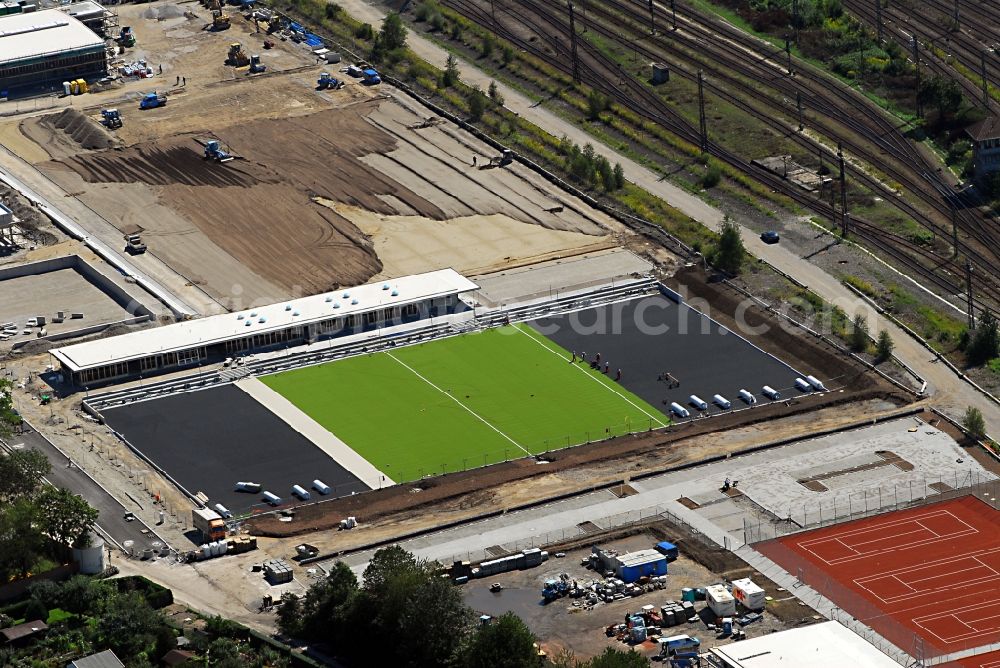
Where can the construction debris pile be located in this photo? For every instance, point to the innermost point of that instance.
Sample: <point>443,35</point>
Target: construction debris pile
<point>138,69</point>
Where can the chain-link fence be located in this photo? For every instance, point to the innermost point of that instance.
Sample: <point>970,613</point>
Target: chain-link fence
<point>858,504</point>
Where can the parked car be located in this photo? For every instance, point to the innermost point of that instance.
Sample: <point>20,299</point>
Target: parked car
<point>770,237</point>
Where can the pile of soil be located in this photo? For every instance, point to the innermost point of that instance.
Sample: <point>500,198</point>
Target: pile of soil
<point>83,130</point>
<point>163,13</point>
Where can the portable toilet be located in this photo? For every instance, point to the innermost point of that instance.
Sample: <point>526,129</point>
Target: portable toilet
<point>698,402</point>
<point>747,398</point>
<point>721,401</point>
<point>679,410</point>
<point>771,393</point>
<point>802,385</point>
<point>67,88</point>
<point>321,487</point>
<point>727,626</point>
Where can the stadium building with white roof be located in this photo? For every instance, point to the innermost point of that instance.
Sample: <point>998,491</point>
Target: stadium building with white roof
<point>46,48</point>
<point>324,316</point>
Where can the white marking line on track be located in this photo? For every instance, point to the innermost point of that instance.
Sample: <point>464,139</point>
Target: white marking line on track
<point>921,525</point>
<point>583,371</point>
<point>990,664</point>
<point>452,397</point>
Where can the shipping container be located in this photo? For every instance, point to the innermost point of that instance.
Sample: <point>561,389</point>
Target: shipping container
<point>669,550</point>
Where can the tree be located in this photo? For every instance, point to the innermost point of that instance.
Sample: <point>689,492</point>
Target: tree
<point>290,621</point>
<point>974,423</point>
<point>487,46</point>
<point>326,607</point>
<point>507,55</point>
<point>506,642</point>
<point>20,542</point>
<point>596,103</point>
<point>65,517</point>
<point>477,104</point>
<point>128,626</point>
<point>21,474</point>
<point>984,343</point>
<point>35,610</point>
<point>434,623</point>
<point>495,94</point>
<point>450,75</point>
<point>619,176</point>
<point>616,658</point>
<point>9,418</point>
<point>859,334</point>
<point>393,32</point>
<point>81,594</point>
<point>942,93</point>
<point>883,347</point>
<point>730,253</point>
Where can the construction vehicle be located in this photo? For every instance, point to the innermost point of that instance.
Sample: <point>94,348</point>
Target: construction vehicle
<point>554,589</point>
<point>237,56</point>
<point>152,100</point>
<point>134,245</point>
<point>214,151</point>
<point>209,523</point>
<point>111,118</point>
<point>274,24</point>
<point>502,160</point>
<point>326,81</point>
<point>256,67</point>
<point>126,37</point>
<point>371,76</point>
<point>220,21</point>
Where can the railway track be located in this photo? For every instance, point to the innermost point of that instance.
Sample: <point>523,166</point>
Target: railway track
<point>600,72</point>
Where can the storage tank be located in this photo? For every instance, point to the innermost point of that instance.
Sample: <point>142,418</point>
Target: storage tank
<point>815,382</point>
<point>321,487</point>
<point>721,401</point>
<point>273,499</point>
<point>252,487</point>
<point>771,393</point>
<point>802,385</point>
<point>223,511</point>
<point>300,492</point>
<point>91,558</point>
<point>205,551</point>
<point>747,398</point>
<point>698,402</point>
<point>679,410</point>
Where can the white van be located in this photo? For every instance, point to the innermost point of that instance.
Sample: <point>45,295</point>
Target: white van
<point>675,644</point>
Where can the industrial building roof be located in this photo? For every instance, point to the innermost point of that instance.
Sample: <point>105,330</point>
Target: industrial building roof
<point>988,128</point>
<point>86,9</point>
<point>270,318</point>
<point>826,645</point>
<point>35,34</point>
<point>105,659</point>
<point>640,557</point>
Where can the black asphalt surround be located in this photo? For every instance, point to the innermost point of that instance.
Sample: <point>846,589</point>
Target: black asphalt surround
<point>702,355</point>
<point>209,440</point>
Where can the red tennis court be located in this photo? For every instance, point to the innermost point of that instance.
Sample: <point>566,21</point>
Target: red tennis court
<point>991,660</point>
<point>928,579</point>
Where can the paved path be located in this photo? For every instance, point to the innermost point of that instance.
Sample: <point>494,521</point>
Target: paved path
<point>950,392</point>
<point>81,222</point>
<point>360,467</point>
<point>110,523</point>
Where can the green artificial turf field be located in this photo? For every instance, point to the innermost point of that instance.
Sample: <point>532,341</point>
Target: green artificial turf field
<point>463,402</point>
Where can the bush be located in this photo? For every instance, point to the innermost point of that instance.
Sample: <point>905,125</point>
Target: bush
<point>365,32</point>
<point>508,55</point>
<point>477,104</point>
<point>449,77</point>
<point>35,610</point>
<point>974,423</point>
<point>859,334</point>
<point>730,253</point>
<point>883,347</point>
<point>712,176</point>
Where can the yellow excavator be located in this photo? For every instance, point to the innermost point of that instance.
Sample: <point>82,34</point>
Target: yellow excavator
<point>237,56</point>
<point>220,21</point>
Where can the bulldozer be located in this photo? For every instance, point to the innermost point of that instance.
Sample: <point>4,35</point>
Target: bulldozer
<point>237,56</point>
<point>220,21</point>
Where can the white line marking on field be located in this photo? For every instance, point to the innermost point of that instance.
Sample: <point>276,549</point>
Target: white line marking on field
<point>452,397</point>
<point>584,372</point>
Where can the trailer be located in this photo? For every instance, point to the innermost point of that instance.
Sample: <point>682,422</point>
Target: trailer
<point>321,487</point>
<point>720,601</point>
<point>749,594</point>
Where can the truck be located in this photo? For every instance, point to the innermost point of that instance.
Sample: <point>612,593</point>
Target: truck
<point>134,245</point>
<point>152,100</point>
<point>371,76</point>
<point>672,645</point>
<point>209,523</point>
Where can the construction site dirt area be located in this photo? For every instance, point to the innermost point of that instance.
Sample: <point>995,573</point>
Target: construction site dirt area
<point>926,578</point>
<point>572,623</point>
<point>211,439</point>
<point>46,295</point>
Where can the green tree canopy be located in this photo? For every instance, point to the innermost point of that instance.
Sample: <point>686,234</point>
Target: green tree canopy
<point>65,517</point>
<point>506,642</point>
<point>21,474</point>
<point>984,344</point>
<point>9,419</point>
<point>730,253</point>
<point>974,422</point>
<point>393,33</point>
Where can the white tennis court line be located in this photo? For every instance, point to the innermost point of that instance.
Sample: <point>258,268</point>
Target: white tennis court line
<point>881,527</point>
<point>945,571</point>
<point>990,664</point>
<point>452,397</point>
<point>954,614</point>
<point>584,372</point>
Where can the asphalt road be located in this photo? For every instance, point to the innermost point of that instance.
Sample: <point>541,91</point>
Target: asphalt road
<point>110,523</point>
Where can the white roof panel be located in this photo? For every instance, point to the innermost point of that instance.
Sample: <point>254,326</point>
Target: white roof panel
<point>36,33</point>
<point>273,317</point>
<point>825,645</point>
